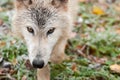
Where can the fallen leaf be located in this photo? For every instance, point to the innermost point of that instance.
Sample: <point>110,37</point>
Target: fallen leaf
<point>118,30</point>
<point>100,29</point>
<point>1,9</point>
<point>14,62</point>
<point>98,11</point>
<point>82,0</point>
<point>2,44</point>
<point>24,78</point>
<point>74,67</point>
<point>13,42</point>
<point>115,68</point>
<point>1,22</point>
<point>117,7</point>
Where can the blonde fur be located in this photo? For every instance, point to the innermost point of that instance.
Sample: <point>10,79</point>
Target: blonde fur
<point>52,48</point>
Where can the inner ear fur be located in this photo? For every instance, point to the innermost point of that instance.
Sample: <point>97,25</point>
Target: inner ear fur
<point>60,3</point>
<point>22,3</point>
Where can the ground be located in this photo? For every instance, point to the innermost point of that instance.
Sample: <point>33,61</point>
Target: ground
<point>94,49</point>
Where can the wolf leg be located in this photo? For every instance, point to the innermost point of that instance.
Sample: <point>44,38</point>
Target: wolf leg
<point>58,54</point>
<point>44,73</point>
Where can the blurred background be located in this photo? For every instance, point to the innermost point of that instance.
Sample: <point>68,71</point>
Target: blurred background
<point>94,49</point>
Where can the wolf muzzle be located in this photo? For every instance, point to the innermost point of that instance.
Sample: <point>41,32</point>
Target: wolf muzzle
<point>38,63</point>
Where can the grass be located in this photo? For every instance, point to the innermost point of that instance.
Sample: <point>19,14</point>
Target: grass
<point>95,48</point>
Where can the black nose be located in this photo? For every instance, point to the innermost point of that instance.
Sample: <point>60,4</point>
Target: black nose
<point>37,63</point>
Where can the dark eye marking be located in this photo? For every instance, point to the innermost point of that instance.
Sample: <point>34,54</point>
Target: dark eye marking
<point>29,29</point>
<point>50,31</point>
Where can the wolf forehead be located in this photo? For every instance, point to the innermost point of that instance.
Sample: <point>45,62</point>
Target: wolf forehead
<point>40,16</point>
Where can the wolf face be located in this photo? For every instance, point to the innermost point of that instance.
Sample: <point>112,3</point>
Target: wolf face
<point>41,24</point>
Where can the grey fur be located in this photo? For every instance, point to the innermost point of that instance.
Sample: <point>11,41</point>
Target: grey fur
<point>40,16</point>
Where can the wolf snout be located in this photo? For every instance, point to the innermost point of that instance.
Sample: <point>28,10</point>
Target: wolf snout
<point>37,63</point>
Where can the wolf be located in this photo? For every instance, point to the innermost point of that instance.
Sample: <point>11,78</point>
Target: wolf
<point>45,26</point>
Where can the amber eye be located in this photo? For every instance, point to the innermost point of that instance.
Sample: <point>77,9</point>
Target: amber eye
<point>30,30</point>
<point>50,31</point>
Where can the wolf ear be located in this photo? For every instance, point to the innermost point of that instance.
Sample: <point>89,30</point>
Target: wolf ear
<point>60,3</point>
<point>21,3</point>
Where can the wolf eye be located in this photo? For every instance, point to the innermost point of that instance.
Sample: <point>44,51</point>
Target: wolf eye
<point>30,30</point>
<point>50,31</point>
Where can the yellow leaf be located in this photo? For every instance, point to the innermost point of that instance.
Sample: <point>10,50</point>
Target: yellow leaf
<point>82,0</point>
<point>118,31</point>
<point>115,68</point>
<point>1,9</point>
<point>98,11</point>
<point>2,44</point>
<point>117,7</point>
<point>14,62</point>
<point>74,67</point>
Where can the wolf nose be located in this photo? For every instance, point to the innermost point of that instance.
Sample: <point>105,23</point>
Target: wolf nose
<point>37,63</point>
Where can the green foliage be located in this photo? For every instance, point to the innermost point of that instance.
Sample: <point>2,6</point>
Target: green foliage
<point>106,42</point>
<point>14,51</point>
<point>81,66</point>
<point>6,3</point>
<point>3,15</point>
<point>64,72</point>
<point>13,48</point>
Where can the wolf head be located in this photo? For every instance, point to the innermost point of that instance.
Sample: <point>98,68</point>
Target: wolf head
<point>40,23</point>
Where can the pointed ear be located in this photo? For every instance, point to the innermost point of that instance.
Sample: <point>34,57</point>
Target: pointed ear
<point>23,3</point>
<point>60,3</point>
